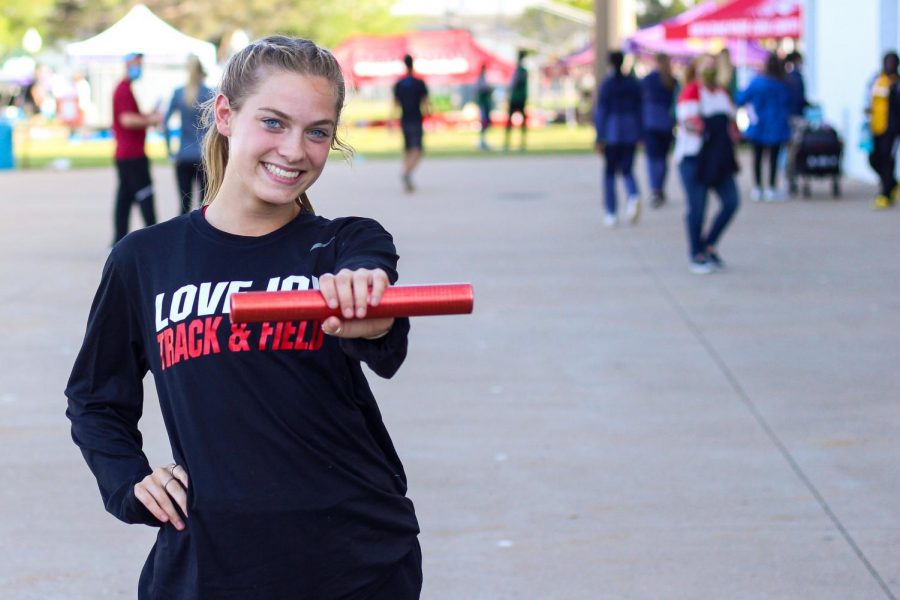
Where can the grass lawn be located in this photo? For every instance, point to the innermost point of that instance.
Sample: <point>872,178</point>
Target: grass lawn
<point>48,146</point>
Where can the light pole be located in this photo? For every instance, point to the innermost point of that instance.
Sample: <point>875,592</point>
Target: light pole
<point>614,20</point>
<point>603,11</point>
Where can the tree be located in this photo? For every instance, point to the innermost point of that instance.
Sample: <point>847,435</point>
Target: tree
<point>328,23</point>
<point>651,12</point>
<point>16,17</point>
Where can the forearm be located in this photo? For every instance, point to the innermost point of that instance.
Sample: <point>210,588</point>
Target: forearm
<point>131,120</point>
<point>113,453</point>
<point>383,355</point>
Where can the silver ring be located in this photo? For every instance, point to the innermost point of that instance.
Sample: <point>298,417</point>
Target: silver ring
<point>339,330</point>
<point>172,469</point>
<point>168,481</point>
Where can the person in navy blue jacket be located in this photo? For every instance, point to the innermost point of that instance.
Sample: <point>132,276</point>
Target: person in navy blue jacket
<point>284,481</point>
<point>793,63</point>
<point>658,93</point>
<point>770,99</point>
<point>617,120</point>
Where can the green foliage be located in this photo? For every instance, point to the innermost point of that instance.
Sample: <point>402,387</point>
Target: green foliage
<point>550,30</point>
<point>651,12</point>
<point>587,5</point>
<point>328,23</point>
<point>16,16</point>
<point>74,20</point>
<point>340,19</point>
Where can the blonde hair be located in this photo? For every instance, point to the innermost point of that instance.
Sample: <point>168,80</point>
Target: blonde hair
<point>242,77</point>
<point>724,69</point>
<point>195,78</point>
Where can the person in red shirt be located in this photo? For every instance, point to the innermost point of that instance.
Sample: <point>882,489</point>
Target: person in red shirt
<point>133,167</point>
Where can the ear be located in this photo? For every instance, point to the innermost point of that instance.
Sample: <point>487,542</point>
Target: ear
<point>223,113</point>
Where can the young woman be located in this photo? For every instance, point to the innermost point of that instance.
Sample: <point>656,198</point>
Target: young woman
<point>285,483</point>
<point>769,98</point>
<point>187,102</point>
<point>704,152</point>
<point>658,91</point>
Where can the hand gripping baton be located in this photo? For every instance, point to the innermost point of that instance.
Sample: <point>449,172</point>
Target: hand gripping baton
<point>397,301</point>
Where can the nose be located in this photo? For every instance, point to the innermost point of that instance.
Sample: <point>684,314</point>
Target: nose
<point>291,147</point>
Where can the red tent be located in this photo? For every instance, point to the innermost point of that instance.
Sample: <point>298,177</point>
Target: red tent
<point>744,19</point>
<point>441,57</point>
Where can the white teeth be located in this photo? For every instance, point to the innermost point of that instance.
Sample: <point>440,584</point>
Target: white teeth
<point>281,172</point>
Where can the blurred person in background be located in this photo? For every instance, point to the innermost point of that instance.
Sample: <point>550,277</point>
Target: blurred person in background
<point>883,111</point>
<point>726,76</point>
<point>187,102</point>
<point>704,152</point>
<point>132,165</point>
<point>518,98</point>
<point>484,97</point>
<point>411,98</point>
<point>618,124</point>
<point>793,64</point>
<point>769,101</point>
<point>658,92</point>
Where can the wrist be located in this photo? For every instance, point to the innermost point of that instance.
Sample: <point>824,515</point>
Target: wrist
<point>377,337</point>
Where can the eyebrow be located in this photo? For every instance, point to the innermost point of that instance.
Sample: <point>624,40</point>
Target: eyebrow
<point>287,117</point>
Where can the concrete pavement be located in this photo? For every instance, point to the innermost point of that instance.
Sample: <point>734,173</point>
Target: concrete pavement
<point>605,425</point>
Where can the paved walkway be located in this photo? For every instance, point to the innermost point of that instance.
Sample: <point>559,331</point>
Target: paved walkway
<point>605,425</point>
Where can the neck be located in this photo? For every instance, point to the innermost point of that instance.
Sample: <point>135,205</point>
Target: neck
<point>249,217</point>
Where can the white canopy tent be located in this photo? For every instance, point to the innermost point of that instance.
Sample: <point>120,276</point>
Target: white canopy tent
<point>165,51</point>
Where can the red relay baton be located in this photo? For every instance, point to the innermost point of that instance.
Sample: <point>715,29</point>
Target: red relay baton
<point>397,301</point>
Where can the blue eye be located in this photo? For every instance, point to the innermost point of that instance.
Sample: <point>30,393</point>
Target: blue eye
<point>320,134</point>
<point>272,123</point>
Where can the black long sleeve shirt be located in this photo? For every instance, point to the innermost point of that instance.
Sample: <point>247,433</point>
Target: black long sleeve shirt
<point>296,489</point>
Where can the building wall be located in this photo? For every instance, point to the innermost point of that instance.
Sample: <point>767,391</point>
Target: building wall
<point>844,43</point>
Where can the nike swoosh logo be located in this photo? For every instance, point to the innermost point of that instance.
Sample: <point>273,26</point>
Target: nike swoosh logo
<point>320,245</point>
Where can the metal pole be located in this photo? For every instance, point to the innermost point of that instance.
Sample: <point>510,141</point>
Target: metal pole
<point>604,10</point>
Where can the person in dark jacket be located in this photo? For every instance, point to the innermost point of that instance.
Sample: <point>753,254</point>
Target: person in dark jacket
<point>618,124</point>
<point>769,99</point>
<point>412,100</point>
<point>883,114</point>
<point>658,93</point>
<point>284,482</point>
<point>793,64</point>
<point>484,97</point>
<point>518,98</point>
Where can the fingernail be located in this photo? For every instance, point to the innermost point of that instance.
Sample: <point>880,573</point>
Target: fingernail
<point>348,312</point>
<point>360,312</point>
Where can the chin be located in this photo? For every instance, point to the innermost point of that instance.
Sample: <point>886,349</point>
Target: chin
<point>279,197</point>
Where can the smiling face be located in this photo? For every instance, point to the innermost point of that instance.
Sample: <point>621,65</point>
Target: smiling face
<point>278,140</point>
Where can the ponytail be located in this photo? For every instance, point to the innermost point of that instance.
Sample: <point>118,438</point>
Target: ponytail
<point>215,157</point>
